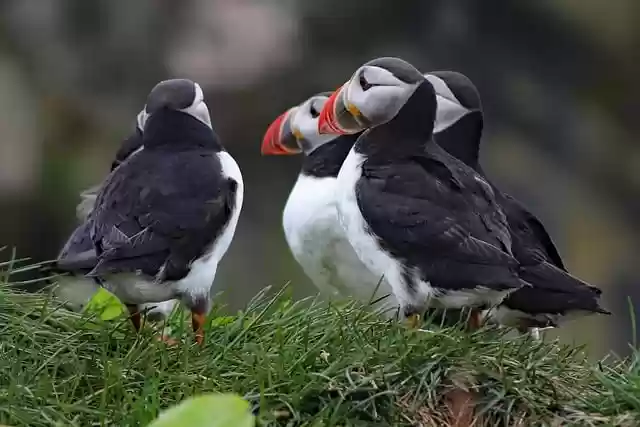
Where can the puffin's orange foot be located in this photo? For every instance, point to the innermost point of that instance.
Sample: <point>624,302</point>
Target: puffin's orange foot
<point>167,340</point>
<point>197,321</point>
<point>136,318</point>
<point>475,321</point>
<point>413,320</point>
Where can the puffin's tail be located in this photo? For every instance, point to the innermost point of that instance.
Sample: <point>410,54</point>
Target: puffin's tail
<point>572,293</point>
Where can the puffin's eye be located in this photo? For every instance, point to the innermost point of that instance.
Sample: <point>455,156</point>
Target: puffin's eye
<point>314,111</point>
<point>364,84</point>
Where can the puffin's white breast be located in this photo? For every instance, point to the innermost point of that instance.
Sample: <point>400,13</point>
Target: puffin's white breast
<point>354,225</point>
<point>199,281</point>
<point>319,244</point>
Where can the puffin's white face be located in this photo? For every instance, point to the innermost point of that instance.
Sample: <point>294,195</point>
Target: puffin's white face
<point>450,109</point>
<point>198,108</point>
<point>304,124</point>
<point>141,119</point>
<point>373,96</point>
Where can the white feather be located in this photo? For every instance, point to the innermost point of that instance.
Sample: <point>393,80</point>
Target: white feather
<point>319,244</point>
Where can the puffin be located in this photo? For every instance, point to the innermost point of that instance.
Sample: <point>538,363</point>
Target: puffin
<point>310,219</point>
<point>166,216</point>
<point>555,295</point>
<point>413,213</point>
<point>75,286</point>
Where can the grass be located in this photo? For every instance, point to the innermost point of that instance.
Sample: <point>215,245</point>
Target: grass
<point>304,363</point>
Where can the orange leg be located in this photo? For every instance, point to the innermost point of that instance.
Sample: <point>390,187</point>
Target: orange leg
<point>197,321</point>
<point>167,340</point>
<point>475,322</point>
<point>136,318</point>
<point>413,321</point>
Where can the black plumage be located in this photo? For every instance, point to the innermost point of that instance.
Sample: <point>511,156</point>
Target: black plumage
<point>165,217</point>
<point>132,143</point>
<point>325,161</point>
<point>166,206</point>
<point>430,211</point>
<point>555,292</point>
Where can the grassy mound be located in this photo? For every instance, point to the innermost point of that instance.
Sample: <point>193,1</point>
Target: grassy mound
<point>302,363</point>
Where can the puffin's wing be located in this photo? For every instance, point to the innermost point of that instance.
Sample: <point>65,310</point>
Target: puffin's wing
<point>158,213</point>
<point>531,232</point>
<point>445,244</point>
<point>77,253</point>
<point>87,200</point>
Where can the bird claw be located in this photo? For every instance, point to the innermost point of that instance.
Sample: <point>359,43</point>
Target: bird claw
<point>413,320</point>
<point>167,340</point>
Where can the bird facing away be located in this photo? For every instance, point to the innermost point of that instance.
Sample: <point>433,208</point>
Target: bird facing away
<point>166,216</point>
<point>412,212</point>
<point>75,287</point>
<point>555,295</point>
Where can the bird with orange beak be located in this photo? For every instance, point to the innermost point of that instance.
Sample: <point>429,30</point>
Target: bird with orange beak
<point>412,212</point>
<point>310,221</point>
<point>554,295</point>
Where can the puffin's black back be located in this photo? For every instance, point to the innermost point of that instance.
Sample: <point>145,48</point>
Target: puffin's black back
<point>165,206</point>
<point>176,130</point>
<point>128,146</point>
<point>554,291</point>
<point>531,241</point>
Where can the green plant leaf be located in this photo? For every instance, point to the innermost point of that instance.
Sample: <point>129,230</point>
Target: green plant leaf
<point>208,410</point>
<point>222,320</point>
<point>105,303</point>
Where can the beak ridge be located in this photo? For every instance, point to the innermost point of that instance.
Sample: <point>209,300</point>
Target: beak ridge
<point>327,122</point>
<point>273,140</point>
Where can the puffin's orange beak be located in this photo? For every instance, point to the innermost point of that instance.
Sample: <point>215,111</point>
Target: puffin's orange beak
<point>279,138</point>
<point>327,122</point>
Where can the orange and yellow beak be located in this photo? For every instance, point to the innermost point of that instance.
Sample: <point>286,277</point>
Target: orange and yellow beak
<point>338,117</point>
<point>327,123</point>
<point>279,138</point>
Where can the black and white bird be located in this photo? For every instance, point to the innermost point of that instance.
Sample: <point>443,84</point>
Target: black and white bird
<point>166,216</point>
<point>310,219</point>
<point>75,288</point>
<point>413,213</point>
<point>555,295</point>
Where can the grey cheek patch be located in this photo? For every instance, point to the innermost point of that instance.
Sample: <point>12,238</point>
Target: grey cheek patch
<point>448,113</point>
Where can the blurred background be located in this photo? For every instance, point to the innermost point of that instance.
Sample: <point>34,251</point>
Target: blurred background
<point>558,79</point>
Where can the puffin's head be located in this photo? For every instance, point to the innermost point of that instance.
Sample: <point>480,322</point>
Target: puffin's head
<point>456,96</point>
<point>296,130</point>
<point>178,95</point>
<point>373,95</point>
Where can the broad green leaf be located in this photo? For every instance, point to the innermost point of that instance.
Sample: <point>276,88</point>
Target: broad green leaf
<point>105,303</point>
<point>208,410</point>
